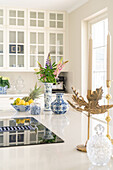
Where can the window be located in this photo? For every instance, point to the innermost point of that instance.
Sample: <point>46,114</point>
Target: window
<point>99,31</point>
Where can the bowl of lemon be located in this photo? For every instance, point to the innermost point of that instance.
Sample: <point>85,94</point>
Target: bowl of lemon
<point>21,105</point>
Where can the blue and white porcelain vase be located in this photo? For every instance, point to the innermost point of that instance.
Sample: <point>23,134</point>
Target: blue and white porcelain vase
<point>3,90</point>
<point>47,96</point>
<point>59,105</point>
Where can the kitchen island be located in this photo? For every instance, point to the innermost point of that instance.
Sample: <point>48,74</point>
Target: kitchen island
<point>71,127</point>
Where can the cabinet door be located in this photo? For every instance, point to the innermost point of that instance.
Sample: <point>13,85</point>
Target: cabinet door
<point>16,17</point>
<point>16,48</point>
<point>56,20</point>
<point>56,46</point>
<point>36,48</point>
<point>37,19</point>
<point>1,48</point>
<point>1,17</point>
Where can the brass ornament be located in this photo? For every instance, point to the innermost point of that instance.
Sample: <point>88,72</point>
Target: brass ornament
<point>108,97</point>
<point>91,106</point>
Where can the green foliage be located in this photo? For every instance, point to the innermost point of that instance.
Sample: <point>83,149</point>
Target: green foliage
<point>47,74</point>
<point>35,93</point>
<point>4,82</point>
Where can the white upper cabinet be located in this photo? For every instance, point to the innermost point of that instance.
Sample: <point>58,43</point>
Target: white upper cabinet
<point>16,17</point>
<point>56,46</point>
<point>56,20</point>
<point>28,35</point>
<point>1,48</point>
<point>37,19</point>
<point>36,48</point>
<point>1,17</point>
<point>16,47</point>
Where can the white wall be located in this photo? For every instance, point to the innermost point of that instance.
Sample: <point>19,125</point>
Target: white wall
<point>77,27</point>
<point>78,58</point>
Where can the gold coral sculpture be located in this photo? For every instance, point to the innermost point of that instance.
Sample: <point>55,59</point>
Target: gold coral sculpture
<point>91,106</point>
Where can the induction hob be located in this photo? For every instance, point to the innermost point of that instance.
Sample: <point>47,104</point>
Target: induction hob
<point>25,131</point>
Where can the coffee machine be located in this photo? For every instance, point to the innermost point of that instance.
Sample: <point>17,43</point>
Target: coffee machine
<point>60,86</point>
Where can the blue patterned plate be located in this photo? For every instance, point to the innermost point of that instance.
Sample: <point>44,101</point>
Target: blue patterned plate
<point>21,108</point>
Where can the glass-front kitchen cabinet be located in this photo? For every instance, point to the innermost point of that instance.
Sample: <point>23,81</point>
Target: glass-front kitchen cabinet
<point>37,47</point>
<point>1,48</point>
<point>16,49</point>
<point>27,36</point>
<point>56,46</point>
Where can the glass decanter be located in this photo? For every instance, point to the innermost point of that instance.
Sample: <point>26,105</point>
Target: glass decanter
<point>20,84</point>
<point>99,147</point>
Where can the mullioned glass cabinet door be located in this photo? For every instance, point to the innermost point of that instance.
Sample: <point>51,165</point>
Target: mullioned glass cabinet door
<point>56,20</point>
<point>37,19</point>
<point>1,17</point>
<point>56,46</point>
<point>36,48</point>
<point>1,48</point>
<point>16,17</point>
<point>16,49</point>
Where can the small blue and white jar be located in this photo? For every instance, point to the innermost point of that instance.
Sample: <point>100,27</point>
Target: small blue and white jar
<point>35,108</point>
<point>59,105</point>
<point>3,90</point>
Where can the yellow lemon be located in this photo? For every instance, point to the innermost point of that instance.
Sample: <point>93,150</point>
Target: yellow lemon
<point>22,102</point>
<point>30,101</point>
<point>17,101</point>
<point>26,103</point>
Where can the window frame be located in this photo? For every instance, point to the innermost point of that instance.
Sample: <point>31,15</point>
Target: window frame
<point>94,21</point>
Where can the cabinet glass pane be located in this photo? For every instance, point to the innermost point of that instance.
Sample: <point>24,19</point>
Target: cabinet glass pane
<point>20,49</point>
<point>40,15</point>
<point>20,37</point>
<point>41,60</point>
<point>12,48</point>
<point>1,21</point>
<point>1,12</point>
<point>21,22</point>
<point>21,14</point>
<point>12,21</point>
<point>12,36</point>
<point>33,61</point>
<point>40,49</point>
<point>59,39</point>
<point>12,60</point>
<point>1,36</point>
<point>33,49</point>
<point>40,23</point>
<point>32,14</point>
<point>58,58</point>
<point>52,38</point>
<point>59,16</point>
<point>12,13</point>
<point>33,23</point>
<point>60,50</point>
<point>40,38</point>
<point>32,37</point>
<point>1,48</point>
<point>59,24</point>
<point>52,16</point>
<point>20,61</point>
<point>1,60</point>
<point>52,49</point>
<point>53,59</point>
<point>53,24</point>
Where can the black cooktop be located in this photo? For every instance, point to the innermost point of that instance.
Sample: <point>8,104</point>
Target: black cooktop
<point>25,131</point>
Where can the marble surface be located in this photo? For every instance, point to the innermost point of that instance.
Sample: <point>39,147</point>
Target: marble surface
<point>72,127</point>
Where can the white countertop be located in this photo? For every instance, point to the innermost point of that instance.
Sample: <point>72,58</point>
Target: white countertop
<point>72,127</point>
